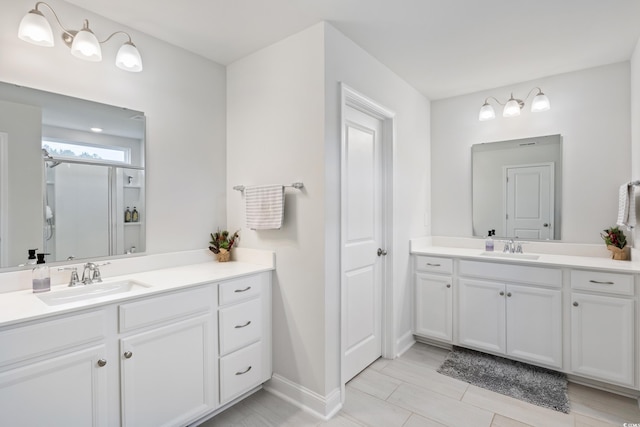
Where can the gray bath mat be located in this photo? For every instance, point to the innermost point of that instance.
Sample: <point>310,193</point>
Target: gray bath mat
<point>540,386</point>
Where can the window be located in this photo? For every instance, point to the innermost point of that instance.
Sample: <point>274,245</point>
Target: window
<point>98,153</point>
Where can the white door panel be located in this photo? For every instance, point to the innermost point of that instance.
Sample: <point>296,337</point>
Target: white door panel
<point>362,236</point>
<point>529,201</point>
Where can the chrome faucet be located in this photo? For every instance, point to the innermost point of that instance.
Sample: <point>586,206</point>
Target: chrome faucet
<point>91,273</point>
<point>513,247</point>
<point>73,279</point>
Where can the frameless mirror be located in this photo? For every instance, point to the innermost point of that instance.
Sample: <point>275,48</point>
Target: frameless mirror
<point>72,181</point>
<point>517,188</point>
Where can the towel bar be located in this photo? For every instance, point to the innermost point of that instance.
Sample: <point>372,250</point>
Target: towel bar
<point>296,185</point>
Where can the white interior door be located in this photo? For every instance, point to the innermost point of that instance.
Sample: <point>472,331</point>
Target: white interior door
<point>529,201</point>
<point>4,207</point>
<point>362,237</point>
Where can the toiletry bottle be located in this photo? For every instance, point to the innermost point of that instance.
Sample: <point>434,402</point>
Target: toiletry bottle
<point>41,278</point>
<point>135,216</point>
<point>32,257</point>
<point>488,244</point>
<point>127,215</point>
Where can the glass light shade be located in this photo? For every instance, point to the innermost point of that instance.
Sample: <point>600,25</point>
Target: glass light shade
<point>34,28</point>
<point>486,113</point>
<point>540,103</point>
<point>128,58</point>
<point>511,109</point>
<point>86,46</point>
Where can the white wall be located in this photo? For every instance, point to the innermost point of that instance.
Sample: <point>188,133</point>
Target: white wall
<point>635,125</point>
<point>589,108</point>
<point>284,126</point>
<point>183,97</point>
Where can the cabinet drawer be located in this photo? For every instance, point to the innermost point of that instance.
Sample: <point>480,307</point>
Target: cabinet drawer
<point>512,273</point>
<point>240,372</point>
<point>239,289</point>
<point>602,281</point>
<point>240,325</point>
<point>51,335</point>
<point>167,307</point>
<point>434,264</point>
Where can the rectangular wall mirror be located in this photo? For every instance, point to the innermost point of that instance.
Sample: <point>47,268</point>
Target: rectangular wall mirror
<point>517,188</point>
<point>72,177</point>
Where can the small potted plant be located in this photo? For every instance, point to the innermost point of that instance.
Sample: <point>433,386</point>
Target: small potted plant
<point>616,242</point>
<point>221,244</point>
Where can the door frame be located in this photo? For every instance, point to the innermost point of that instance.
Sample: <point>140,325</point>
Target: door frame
<point>354,99</point>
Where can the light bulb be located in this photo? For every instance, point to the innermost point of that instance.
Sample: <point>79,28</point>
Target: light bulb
<point>35,29</point>
<point>128,58</point>
<point>486,112</point>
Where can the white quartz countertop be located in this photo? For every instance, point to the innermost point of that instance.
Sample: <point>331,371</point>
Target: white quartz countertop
<point>556,260</point>
<point>24,305</point>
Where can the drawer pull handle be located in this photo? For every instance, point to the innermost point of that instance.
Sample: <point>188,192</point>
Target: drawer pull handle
<point>243,326</point>
<point>601,283</point>
<point>128,354</point>
<point>102,362</point>
<point>243,290</point>
<point>434,265</point>
<point>244,372</point>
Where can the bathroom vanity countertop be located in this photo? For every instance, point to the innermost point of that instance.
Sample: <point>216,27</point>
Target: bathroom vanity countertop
<point>554,260</point>
<point>24,305</point>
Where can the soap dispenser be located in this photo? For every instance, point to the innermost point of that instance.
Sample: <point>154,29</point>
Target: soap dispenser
<point>127,215</point>
<point>41,278</point>
<point>488,243</point>
<point>31,260</point>
<point>135,215</point>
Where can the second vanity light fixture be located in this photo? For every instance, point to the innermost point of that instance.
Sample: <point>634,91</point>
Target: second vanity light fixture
<point>513,105</point>
<point>34,28</point>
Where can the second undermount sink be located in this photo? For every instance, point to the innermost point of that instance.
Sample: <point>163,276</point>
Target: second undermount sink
<point>88,292</point>
<point>510,255</point>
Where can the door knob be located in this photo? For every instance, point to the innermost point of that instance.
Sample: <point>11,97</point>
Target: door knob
<point>575,303</point>
<point>102,362</point>
<point>545,224</point>
<point>128,354</point>
<point>381,252</point>
<point>501,293</point>
<point>509,294</point>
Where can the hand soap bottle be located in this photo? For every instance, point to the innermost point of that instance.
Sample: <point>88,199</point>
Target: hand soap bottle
<point>488,243</point>
<point>41,278</point>
<point>32,257</point>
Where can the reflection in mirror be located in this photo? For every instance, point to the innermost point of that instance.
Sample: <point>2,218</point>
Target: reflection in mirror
<point>69,168</point>
<point>517,188</point>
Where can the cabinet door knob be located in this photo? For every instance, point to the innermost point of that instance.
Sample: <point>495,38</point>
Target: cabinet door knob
<point>501,293</point>
<point>102,362</point>
<point>575,303</point>
<point>381,252</point>
<point>128,354</point>
<point>448,285</point>
<point>508,294</point>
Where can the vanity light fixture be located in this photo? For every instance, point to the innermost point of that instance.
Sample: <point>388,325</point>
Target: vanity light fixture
<point>35,28</point>
<point>513,106</point>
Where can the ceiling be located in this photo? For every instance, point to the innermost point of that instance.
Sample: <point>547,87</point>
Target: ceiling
<point>443,48</point>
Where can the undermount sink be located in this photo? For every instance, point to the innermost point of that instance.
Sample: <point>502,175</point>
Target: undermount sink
<point>510,255</point>
<point>87,292</point>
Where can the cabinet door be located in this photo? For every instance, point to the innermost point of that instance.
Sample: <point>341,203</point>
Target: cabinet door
<point>481,315</point>
<point>168,374</point>
<point>602,337</point>
<point>534,324</point>
<point>434,304</point>
<point>67,390</point>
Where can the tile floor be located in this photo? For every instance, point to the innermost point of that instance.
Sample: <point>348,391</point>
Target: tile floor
<point>408,392</point>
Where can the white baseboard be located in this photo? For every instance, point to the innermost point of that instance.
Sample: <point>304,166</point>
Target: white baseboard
<point>323,407</point>
<point>404,343</point>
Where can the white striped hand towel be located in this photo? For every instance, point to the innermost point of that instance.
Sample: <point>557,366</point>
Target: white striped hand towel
<point>264,206</point>
<point>627,205</point>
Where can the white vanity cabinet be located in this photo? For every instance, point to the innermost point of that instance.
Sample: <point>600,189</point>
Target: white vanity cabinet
<point>55,372</point>
<point>167,364</point>
<point>602,326</point>
<point>434,298</point>
<point>511,310</point>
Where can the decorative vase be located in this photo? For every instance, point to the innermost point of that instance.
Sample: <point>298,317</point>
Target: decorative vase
<point>223,256</point>
<point>619,254</point>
